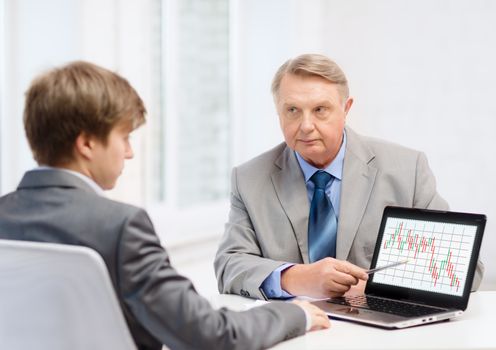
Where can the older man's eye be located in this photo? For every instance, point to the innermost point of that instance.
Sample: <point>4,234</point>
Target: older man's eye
<point>292,109</point>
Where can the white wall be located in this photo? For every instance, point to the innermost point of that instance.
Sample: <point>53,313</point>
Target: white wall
<point>422,74</point>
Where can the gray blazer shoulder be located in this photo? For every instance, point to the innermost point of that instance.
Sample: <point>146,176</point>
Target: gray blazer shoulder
<point>263,165</point>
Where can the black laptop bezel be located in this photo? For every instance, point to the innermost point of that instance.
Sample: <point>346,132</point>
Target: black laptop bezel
<point>420,296</point>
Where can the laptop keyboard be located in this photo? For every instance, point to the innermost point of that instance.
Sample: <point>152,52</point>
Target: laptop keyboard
<point>385,305</point>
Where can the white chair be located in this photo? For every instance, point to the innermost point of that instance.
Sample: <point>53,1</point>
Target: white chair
<point>55,296</point>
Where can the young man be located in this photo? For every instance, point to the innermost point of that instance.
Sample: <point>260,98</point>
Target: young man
<point>78,119</point>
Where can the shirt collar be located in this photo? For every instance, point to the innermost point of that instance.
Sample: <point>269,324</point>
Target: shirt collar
<point>335,168</point>
<point>85,178</point>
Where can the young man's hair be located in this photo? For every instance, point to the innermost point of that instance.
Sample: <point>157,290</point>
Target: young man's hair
<point>312,64</point>
<point>79,97</point>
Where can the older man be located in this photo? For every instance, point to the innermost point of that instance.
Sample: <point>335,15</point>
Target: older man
<point>305,215</point>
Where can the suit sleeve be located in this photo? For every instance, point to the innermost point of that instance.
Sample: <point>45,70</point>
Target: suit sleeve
<point>239,263</point>
<point>426,196</point>
<point>167,305</point>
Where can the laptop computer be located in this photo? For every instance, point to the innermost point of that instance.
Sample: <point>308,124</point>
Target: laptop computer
<point>441,249</point>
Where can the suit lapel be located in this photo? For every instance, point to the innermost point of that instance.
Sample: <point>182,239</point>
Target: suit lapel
<point>291,191</point>
<point>358,181</point>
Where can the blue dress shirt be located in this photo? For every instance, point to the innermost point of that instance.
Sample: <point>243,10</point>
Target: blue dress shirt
<point>272,284</point>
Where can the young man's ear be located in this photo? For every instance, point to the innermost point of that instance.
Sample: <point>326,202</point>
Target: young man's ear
<point>84,145</point>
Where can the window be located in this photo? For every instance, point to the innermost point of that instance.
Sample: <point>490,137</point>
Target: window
<point>189,173</point>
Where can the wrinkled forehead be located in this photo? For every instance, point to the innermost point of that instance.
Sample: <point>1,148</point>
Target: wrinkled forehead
<point>308,89</point>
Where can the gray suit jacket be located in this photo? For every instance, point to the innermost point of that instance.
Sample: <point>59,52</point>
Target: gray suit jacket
<point>268,219</point>
<point>160,306</point>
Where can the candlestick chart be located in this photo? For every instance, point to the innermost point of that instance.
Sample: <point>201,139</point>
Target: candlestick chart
<point>438,255</point>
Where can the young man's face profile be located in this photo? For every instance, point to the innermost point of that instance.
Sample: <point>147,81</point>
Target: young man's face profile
<point>108,159</point>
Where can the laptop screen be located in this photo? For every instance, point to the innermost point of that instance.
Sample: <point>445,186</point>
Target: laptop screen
<point>440,249</point>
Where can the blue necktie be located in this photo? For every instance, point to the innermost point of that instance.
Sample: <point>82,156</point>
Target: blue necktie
<point>322,223</point>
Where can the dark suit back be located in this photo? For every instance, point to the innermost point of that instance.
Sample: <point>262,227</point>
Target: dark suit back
<point>160,306</point>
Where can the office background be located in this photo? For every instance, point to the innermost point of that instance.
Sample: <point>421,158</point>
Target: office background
<point>421,72</point>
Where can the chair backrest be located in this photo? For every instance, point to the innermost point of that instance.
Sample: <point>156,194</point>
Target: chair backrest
<point>55,296</point>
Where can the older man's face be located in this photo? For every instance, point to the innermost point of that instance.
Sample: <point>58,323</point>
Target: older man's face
<point>312,116</point>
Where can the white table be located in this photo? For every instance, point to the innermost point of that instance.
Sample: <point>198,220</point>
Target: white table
<point>475,329</point>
